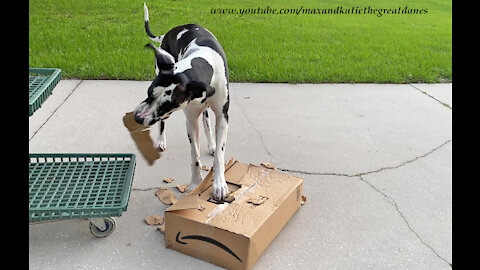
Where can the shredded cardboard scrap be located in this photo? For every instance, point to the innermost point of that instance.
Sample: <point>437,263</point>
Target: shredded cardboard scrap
<point>167,179</point>
<point>268,165</point>
<point>205,168</point>
<point>166,196</point>
<point>154,220</point>
<point>182,188</point>
<point>257,201</point>
<point>162,228</point>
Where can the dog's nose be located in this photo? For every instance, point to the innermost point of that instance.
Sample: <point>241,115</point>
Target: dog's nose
<point>138,119</point>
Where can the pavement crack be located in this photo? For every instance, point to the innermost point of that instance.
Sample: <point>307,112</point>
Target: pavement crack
<point>315,173</point>
<point>369,172</point>
<point>146,189</point>
<point>391,201</point>
<point>253,127</point>
<point>408,161</point>
<point>425,93</point>
<point>76,86</point>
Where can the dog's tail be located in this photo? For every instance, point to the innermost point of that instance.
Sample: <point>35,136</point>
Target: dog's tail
<point>158,39</point>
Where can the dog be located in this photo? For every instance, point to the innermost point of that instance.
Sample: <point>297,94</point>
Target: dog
<point>191,74</point>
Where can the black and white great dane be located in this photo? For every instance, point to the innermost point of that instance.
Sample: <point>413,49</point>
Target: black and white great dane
<point>191,74</point>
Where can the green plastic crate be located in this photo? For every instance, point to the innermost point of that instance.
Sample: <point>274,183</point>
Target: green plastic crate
<point>41,83</point>
<point>67,186</point>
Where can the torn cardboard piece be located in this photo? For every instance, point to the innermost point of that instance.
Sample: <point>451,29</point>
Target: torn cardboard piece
<point>141,135</point>
<point>182,188</point>
<point>166,195</point>
<point>257,201</point>
<point>268,165</point>
<point>167,179</point>
<point>162,228</point>
<point>154,220</point>
<point>234,234</point>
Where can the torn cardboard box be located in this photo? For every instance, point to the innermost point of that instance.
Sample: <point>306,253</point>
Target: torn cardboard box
<point>141,135</point>
<point>234,235</point>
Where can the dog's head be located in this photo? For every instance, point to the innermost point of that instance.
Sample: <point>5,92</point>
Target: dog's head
<point>168,92</point>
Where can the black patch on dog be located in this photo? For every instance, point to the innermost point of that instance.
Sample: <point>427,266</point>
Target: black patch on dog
<point>162,126</point>
<point>168,92</point>
<point>196,164</point>
<point>204,38</point>
<point>225,108</point>
<point>166,107</point>
<point>201,71</point>
<point>189,139</point>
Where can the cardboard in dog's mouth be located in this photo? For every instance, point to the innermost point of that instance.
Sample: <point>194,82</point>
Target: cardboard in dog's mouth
<point>141,135</point>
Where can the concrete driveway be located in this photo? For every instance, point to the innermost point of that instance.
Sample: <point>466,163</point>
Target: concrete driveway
<point>376,159</point>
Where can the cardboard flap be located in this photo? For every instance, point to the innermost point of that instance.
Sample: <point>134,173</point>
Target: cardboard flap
<point>188,202</point>
<point>191,200</point>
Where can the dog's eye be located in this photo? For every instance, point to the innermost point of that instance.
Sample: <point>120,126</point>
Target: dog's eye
<point>168,92</point>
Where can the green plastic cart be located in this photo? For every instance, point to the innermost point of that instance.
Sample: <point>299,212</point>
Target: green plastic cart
<point>41,82</point>
<point>80,186</point>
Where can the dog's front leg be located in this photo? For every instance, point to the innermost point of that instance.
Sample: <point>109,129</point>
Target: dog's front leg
<point>193,133</point>
<point>208,132</point>
<point>220,188</point>
<point>162,141</point>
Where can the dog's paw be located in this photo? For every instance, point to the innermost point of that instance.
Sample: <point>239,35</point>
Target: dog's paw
<point>220,189</point>
<point>161,145</point>
<point>211,149</point>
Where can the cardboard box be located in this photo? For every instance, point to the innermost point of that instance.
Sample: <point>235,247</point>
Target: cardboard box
<point>234,235</point>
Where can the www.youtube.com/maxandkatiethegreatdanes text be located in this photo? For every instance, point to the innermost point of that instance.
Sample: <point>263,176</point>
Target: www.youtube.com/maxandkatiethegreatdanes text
<point>339,10</point>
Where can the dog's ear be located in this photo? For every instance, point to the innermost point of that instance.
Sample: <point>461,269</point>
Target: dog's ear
<point>181,79</point>
<point>165,61</point>
<point>196,89</point>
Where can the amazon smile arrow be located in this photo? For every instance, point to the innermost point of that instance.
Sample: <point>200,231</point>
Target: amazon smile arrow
<point>208,240</point>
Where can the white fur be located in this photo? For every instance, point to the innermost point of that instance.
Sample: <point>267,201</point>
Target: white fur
<point>180,34</point>
<point>145,12</point>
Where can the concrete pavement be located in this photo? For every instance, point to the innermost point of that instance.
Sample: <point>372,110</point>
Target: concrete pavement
<point>376,159</point>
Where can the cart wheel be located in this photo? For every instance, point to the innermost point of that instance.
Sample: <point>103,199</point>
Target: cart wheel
<point>110,227</point>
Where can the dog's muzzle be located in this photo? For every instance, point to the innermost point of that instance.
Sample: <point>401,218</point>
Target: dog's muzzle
<point>142,115</point>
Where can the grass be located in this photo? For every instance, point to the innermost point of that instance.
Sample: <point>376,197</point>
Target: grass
<point>105,39</point>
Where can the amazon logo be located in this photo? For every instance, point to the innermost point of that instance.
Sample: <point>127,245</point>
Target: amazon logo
<point>205,239</point>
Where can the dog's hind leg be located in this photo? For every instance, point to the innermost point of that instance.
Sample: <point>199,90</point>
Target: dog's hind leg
<point>208,132</point>
<point>162,141</point>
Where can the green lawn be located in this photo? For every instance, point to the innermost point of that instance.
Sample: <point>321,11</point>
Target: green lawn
<point>105,39</point>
